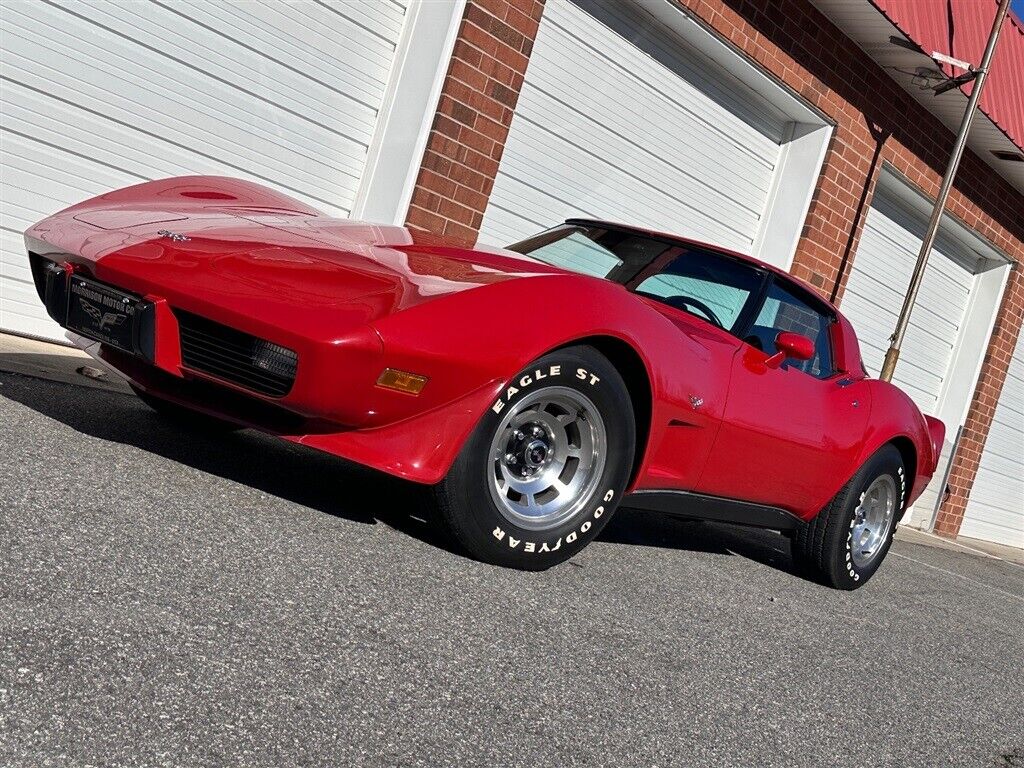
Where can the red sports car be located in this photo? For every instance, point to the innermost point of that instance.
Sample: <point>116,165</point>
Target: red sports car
<point>535,388</point>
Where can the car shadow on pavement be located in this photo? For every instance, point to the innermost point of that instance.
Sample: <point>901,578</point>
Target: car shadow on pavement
<point>332,485</point>
<point>285,470</point>
<point>651,529</point>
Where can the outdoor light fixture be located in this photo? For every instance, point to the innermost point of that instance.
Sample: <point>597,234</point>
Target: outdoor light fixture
<point>956,82</point>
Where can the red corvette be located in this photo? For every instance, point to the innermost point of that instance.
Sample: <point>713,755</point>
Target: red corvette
<point>535,388</point>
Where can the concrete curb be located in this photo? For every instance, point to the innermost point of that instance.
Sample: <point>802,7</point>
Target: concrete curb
<point>56,362</point>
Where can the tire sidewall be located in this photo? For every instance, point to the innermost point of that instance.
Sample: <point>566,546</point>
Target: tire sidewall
<point>846,572</point>
<point>490,535</point>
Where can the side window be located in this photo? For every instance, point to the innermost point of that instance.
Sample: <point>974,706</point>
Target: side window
<point>783,311</point>
<point>706,285</point>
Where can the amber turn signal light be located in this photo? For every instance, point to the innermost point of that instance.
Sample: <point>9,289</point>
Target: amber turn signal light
<point>401,381</point>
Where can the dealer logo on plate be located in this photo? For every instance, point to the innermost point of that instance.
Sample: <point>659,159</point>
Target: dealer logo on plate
<point>103,319</point>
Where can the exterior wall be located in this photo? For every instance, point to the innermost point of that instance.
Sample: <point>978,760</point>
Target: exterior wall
<point>877,123</point>
<point>473,116</point>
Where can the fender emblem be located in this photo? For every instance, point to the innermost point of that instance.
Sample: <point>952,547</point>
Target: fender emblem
<point>173,235</point>
<point>696,402</point>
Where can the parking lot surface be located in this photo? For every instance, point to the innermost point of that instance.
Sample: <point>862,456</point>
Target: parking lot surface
<point>173,598</point>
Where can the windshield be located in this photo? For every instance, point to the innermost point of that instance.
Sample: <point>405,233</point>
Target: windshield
<point>714,286</point>
<point>597,251</point>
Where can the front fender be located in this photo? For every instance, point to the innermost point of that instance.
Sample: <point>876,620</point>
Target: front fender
<point>469,341</point>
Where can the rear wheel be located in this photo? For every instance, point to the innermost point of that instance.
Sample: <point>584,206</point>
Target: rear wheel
<point>546,467</point>
<point>182,416</point>
<point>845,544</point>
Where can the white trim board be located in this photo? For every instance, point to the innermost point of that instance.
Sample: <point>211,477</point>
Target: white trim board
<point>420,66</point>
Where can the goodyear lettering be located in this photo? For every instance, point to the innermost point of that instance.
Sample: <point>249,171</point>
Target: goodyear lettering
<point>533,547</point>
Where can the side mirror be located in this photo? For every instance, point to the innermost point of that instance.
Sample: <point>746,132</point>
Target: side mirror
<point>790,345</point>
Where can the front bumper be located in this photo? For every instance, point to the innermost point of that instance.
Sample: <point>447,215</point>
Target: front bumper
<point>175,349</point>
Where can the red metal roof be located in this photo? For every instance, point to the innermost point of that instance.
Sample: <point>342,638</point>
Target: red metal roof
<point>960,28</point>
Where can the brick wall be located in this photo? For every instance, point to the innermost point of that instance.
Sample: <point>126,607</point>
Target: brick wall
<point>473,116</point>
<point>876,121</point>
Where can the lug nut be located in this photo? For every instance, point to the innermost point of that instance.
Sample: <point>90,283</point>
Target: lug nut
<point>510,458</point>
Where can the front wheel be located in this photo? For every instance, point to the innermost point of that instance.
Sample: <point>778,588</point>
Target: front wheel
<point>545,468</point>
<point>844,545</point>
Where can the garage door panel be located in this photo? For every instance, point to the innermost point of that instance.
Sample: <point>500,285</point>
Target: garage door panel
<point>205,113</point>
<point>577,36</point>
<point>878,282</point>
<point>40,180</point>
<point>693,152</point>
<point>100,95</point>
<point>995,507</point>
<point>506,226</point>
<point>370,30</point>
<point>97,140</point>
<point>657,89</point>
<point>219,58</point>
<point>669,65</point>
<point>645,136</point>
<point>597,186</point>
<point>85,135</point>
<point>937,311</point>
<point>216,144</point>
<point>634,143</point>
<point>983,527</point>
<point>885,233</point>
<point>276,31</point>
<point>1003,445</point>
<point>567,194</point>
<point>875,321</point>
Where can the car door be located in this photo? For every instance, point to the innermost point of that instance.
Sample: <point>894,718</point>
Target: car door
<point>787,432</point>
<point>706,295</point>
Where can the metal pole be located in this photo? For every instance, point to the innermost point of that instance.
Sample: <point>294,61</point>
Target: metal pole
<point>893,353</point>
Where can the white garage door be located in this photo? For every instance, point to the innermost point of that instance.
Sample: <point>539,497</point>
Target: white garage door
<point>97,95</point>
<point>874,295</point>
<point>995,510</point>
<point>621,119</point>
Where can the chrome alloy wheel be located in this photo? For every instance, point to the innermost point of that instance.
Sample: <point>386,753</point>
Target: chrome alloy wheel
<point>546,457</point>
<point>872,520</point>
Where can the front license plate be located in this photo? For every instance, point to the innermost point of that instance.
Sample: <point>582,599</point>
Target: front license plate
<point>102,313</point>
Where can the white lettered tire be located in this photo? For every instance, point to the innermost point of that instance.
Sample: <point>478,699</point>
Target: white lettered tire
<point>547,465</point>
<point>844,545</point>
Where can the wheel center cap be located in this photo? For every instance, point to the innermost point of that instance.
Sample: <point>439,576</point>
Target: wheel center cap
<point>536,452</point>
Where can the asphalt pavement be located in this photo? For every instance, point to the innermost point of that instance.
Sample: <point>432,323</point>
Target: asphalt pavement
<point>179,599</point>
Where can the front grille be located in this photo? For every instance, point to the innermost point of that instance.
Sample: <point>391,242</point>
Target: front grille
<point>248,361</point>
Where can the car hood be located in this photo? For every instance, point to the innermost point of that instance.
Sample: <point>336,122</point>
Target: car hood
<point>255,261</point>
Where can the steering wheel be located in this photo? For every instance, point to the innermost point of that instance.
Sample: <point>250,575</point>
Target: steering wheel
<point>688,303</point>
